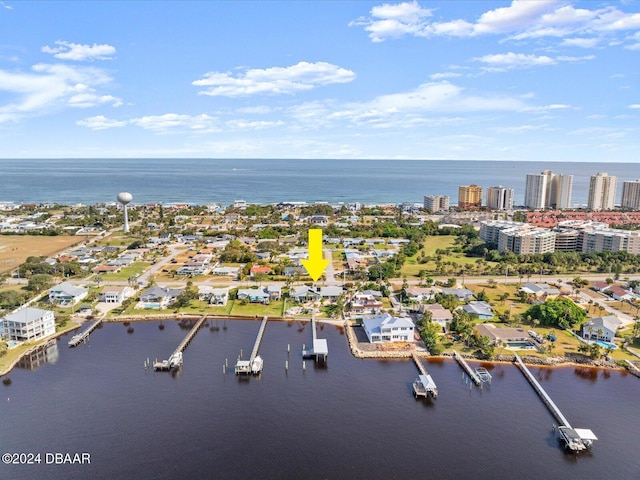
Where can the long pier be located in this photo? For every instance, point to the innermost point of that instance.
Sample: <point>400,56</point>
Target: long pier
<point>320,349</point>
<point>175,360</point>
<point>254,364</point>
<point>81,337</point>
<point>475,378</point>
<point>575,439</point>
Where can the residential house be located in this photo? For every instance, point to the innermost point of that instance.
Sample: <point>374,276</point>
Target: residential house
<point>275,292</point>
<point>106,269</point>
<point>601,328</point>
<point>420,294</point>
<point>114,294</point>
<point>540,290</point>
<point>365,303</point>
<point>67,294</point>
<point>259,269</point>
<point>158,298</point>
<point>460,293</point>
<point>227,271</point>
<point>215,296</point>
<point>618,293</point>
<point>478,309</point>
<point>387,328</point>
<point>305,293</point>
<point>254,295</point>
<point>505,335</point>
<point>27,324</point>
<point>440,315</point>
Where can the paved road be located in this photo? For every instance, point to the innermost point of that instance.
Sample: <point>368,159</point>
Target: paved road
<point>330,271</point>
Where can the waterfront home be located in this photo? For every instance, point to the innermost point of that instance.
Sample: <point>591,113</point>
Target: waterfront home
<point>364,303</point>
<point>440,315</point>
<point>387,328</point>
<point>275,292</point>
<point>113,294</point>
<point>305,293</point>
<point>215,296</point>
<point>157,298</point>
<point>601,328</point>
<point>478,309</point>
<point>254,295</point>
<point>504,335</point>
<point>27,324</point>
<point>66,294</point>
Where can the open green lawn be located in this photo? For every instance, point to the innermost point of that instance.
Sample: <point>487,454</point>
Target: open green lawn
<point>136,268</point>
<point>412,268</point>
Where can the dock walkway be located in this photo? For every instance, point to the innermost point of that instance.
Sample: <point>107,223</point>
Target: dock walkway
<point>475,378</point>
<point>423,386</point>
<point>175,360</point>
<point>81,337</point>
<point>575,439</point>
<point>255,363</point>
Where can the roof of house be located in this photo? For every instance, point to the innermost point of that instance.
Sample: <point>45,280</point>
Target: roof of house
<point>610,322</point>
<point>438,312</point>
<point>458,292</point>
<point>478,308</point>
<point>374,324</point>
<point>69,289</point>
<point>253,292</point>
<point>26,315</point>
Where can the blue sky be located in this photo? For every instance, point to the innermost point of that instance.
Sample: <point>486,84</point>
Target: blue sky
<point>553,80</point>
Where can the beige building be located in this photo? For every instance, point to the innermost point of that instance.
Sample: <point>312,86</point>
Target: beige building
<point>469,197</point>
<point>631,195</point>
<point>602,192</point>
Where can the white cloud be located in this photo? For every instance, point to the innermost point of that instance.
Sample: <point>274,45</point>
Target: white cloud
<point>257,110</point>
<point>508,61</point>
<point>276,80</point>
<point>79,52</point>
<point>176,123</point>
<point>634,106</point>
<point>394,21</point>
<point>580,42</point>
<point>240,124</point>
<point>520,128</point>
<point>522,19</point>
<point>100,122</point>
<point>7,6</point>
<point>49,87</point>
<point>444,75</point>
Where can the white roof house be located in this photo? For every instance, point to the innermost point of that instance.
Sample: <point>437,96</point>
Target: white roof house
<point>601,328</point>
<point>67,293</point>
<point>387,328</point>
<point>28,324</point>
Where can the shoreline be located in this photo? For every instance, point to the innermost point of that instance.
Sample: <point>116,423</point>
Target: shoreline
<point>552,362</point>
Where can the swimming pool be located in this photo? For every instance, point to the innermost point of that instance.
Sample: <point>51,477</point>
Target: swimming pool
<point>522,345</point>
<point>606,344</point>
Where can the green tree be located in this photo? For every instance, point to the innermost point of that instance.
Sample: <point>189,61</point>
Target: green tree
<point>430,334</point>
<point>39,282</point>
<point>560,312</point>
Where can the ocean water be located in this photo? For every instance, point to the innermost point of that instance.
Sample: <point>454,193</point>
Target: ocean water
<point>204,181</point>
<point>353,419</point>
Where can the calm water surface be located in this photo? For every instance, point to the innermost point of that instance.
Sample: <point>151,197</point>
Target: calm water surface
<point>354,419</point>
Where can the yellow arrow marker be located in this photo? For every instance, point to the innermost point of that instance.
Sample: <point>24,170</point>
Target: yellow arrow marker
<point>316,263</point>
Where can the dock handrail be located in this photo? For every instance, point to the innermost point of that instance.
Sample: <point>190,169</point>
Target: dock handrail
<point>465,366</point>
<point>256,345</point>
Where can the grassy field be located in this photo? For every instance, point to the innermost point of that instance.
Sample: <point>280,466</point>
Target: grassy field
<point>14,249</point>
<point>440,242</point>
<point>135,268</point>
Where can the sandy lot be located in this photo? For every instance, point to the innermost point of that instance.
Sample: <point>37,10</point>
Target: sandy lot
<point>14,249</point>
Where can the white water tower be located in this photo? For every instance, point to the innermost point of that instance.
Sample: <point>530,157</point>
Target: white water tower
<point>125,198</point>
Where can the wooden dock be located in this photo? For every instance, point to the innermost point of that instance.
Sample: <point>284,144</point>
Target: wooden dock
<point>175,360</point>
<point>254,364</point>
<point>81,337</point>
<point>424,385</point>
<point>320,349</point>
<point>575,439</point>
<point>475,378</point>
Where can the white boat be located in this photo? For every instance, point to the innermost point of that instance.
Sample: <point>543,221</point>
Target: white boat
<point>256,365</point>
<point>175,360</point>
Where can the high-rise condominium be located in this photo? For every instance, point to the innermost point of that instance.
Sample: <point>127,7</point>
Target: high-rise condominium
<point>469,197</point>
<point>548,190</point>
<point>436,203</point>
<point>499,198</point>
<point>631,195</point>
<point>602,192</point>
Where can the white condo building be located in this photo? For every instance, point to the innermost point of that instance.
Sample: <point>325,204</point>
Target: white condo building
<point>535,191</point>
<point>548,190</point>
<point>602,192</point>
<point>26,324</point>
<point>631,195</point>
<point>499,198</point>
